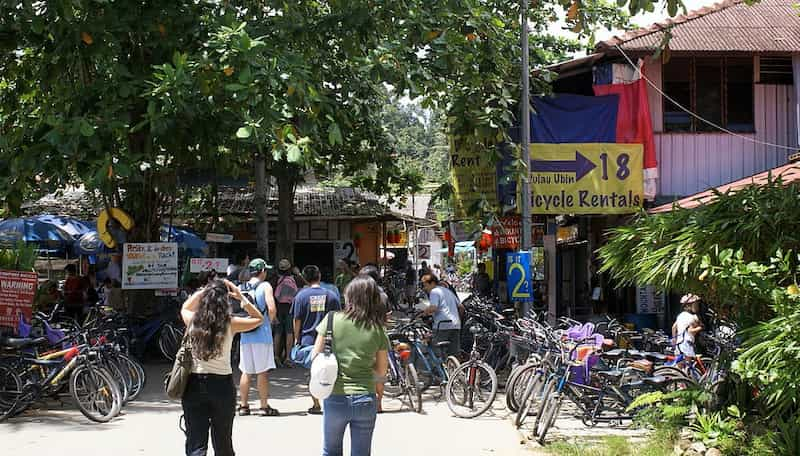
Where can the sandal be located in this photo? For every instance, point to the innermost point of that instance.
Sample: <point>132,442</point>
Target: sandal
<point>243,410</point>
<point>315,411</point>
<point>268,411</point>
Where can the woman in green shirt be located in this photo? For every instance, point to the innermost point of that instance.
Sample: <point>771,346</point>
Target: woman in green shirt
<point>360,345</point>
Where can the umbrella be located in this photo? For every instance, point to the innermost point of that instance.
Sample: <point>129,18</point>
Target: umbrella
<point>72,226</point>
<point>48,237</point>
<point>187,240</point>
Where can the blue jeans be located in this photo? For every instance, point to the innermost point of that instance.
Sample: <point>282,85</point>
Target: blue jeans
<point>360,412</point>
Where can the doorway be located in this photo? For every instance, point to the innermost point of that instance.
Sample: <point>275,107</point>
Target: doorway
<point>319,254</point>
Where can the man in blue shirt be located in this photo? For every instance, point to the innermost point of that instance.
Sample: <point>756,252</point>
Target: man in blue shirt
<point>309,308</point>
<point>446,319</point>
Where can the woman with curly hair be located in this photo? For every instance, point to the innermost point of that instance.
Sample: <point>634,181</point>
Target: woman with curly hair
<point>210,397</point>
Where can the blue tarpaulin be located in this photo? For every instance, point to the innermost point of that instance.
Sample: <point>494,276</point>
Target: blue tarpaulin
<point>568,118</point>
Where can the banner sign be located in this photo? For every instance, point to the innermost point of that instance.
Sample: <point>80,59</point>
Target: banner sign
<point>220,238</point>
<point>594,178</point>
<point>345,250</point>
<point>474,179</point>
<point>17,291</point>
<point>519,277</point>
<point>507,233</point>
<point>649,301</point>
<point>207,264</point>
<point>150,266</point>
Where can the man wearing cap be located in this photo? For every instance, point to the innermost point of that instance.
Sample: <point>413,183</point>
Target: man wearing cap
<point>285,291</point>
<point>257,356</point>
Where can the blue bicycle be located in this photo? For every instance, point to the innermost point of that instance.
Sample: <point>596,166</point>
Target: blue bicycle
<point>430,367</point>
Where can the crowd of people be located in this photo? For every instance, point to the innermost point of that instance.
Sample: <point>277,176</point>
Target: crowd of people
<point>282,318</point>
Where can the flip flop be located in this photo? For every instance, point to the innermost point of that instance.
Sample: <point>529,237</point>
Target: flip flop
<point>315,411</point>
<point>243,410</point>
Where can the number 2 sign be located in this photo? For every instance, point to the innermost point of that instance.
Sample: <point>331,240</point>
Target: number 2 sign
<point>519,277</point>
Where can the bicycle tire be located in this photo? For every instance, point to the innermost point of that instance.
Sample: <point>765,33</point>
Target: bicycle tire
<point>549,418</point>
<point>451,364</point>
<point>511,383</point>
<point>10,392</point>
<point>547,395</point>
<point>459,379</point>
<point>529,398</point>
<point>412,386</point>
<point>118,376</point>
<point>93,381</point>
<point>168,341</point>
<point>670,372</point>
<point>393,386</point>
<point>136,374</point>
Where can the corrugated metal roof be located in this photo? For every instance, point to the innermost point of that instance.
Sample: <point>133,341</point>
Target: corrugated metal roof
<point>729,26</point>
<point>788,173</point>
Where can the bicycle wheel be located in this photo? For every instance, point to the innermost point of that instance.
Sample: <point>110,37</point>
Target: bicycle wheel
<point>426,376</point>
<point>412,387</point>
<point>529,398</point>
<point>393,387</point>
<point>472,389</point>
<point>119,376</point>
<point>169,341</point>
<point>136,375</point>
<point>450,365</point>
<point>511,383</point>
<point>683,381</point>
<point>548,392</point>
<point>97,395</point>
<point>10,391</point>
<point>549,415</point>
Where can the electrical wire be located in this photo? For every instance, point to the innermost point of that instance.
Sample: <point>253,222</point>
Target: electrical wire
<point>697,116</point>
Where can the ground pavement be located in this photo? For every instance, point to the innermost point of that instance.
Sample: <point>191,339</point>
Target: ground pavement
<point>149,426</point>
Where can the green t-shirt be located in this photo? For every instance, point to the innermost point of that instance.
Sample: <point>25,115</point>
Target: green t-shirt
<point>355,347</point>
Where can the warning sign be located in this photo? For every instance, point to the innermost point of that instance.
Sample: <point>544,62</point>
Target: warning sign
<point>17,291</point>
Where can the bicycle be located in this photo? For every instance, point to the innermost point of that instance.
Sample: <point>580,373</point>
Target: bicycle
<point>472,388</point>
<point>401,378</point>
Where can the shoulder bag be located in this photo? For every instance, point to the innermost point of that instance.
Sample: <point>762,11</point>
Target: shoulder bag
<point>177,379</point>
<point>324,367</point>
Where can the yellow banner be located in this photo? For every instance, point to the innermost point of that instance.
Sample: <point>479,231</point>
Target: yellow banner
<point>474,179</point>
<point>586,178</point>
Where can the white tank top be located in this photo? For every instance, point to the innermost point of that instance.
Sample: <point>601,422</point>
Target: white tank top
<point>220,365</point>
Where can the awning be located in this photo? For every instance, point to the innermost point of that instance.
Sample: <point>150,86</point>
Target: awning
<point>788,173</point>
<point>461,247</point>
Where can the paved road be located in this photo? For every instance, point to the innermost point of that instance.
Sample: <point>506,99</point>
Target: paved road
<point>150,427</point>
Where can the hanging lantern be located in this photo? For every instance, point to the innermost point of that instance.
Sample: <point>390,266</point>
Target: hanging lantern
<point>485,241</point>
<point>447,236</point>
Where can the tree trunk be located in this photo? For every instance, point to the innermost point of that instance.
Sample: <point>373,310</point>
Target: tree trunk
<point>260,200</point>
<point>285,242</point>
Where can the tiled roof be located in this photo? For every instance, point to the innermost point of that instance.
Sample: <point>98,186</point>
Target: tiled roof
<point>788,173</point>
<point>308,202</point>
<point>729,26</point>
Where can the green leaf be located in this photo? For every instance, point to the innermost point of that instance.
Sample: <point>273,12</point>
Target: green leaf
<point>293,153</point>
<point>334,135</point>
<point>244,132</point>
<point>234,87</point>
<point>86,129</point>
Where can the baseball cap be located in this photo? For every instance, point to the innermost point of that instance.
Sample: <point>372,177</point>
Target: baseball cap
<point>258,265</point>
<point>284,265</point>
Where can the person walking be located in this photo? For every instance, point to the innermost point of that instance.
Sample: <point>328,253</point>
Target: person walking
<point>343,275</point>
<point>285,291</point>
<point>446,319</point>
<point>361,348</point>
<point>209,400</point>
<point>411,285</point>
<point>256,355</point>
<point>310,306</point>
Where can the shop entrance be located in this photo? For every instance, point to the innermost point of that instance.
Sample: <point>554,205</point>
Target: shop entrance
<point>319,254</point>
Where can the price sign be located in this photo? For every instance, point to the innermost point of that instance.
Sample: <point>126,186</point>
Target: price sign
<point>207,264</point>
<point>519,277</point>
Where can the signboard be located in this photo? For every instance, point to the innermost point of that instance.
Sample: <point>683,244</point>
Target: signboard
<point>586,178</point>
<point>424,251</point>
<point>519,277</point>
<point>207,264</point>
<point>17,291</point>
<point>507,234</point>
<point>220,238</point>
<point>649,301</point>
<point>345,250</point>
<point>474,179</point>
<point>150,266</point>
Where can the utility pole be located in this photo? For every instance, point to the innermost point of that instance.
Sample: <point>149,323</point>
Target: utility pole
<point>525,130</point>
<point>525,133</point>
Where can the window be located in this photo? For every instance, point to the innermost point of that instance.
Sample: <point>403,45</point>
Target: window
<point>717,89</point>
<point>775,70</point>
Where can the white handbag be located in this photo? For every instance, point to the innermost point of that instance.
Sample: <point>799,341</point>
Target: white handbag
<point>324,367</point>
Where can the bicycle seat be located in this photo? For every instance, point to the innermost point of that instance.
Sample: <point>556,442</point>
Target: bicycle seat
<point>443,344</point>
<point>616,353</point>
<point>17,343</point>
<point>611,375</point>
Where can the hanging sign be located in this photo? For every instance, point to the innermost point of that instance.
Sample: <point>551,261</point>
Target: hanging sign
<point>519,277</point>
<point>507,232</point>
<point>150,266</point>
<point>586,178</point>
<point>424,251</point>
<point>17,291</point>
<point>220,238</point>
<point>208,264</point>
<point>345,250</point>
<point>649,301</point>
<point>474,179</point>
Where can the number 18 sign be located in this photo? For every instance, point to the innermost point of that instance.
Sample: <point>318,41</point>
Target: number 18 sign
<point>519,276</point>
